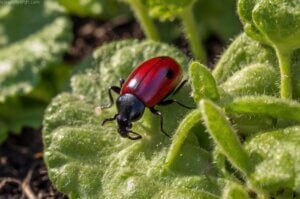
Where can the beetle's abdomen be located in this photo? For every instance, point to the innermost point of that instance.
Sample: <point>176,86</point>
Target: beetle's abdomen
<point>153,80</point>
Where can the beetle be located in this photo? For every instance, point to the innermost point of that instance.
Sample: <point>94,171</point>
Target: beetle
<point>147,86</point>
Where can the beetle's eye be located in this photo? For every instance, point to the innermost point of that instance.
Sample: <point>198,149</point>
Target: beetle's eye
<point>169,74</point>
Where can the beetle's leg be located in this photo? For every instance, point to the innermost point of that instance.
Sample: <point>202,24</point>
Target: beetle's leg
<point>111,99</point>
<point>171,101</point>
<point>156,112</point>
<point>136,137</point>
<point>121,82</point>
<point>179,87</point>
<point>109,119</point>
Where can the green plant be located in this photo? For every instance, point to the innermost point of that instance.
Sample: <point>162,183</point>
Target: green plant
<point>141,13</point>
<point>241,140</point>
<point>29,62</point>
<point>168,10</point>
<point>198,18</point>
<point>275,23</point>
<point>74,116</point>
<point>102,9</point>
<point>90,170</point>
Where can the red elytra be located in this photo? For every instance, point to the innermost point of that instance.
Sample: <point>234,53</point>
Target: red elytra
<point>153,80</point>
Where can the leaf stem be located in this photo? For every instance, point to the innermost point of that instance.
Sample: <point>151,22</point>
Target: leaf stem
<point>191,32</point>
<point>284,58</point>
<point>145,21</point>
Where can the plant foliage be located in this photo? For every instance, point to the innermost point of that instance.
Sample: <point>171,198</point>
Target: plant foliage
<point>26,56</point>
<point>242,139</point>
<point>89,169</point>
<point>102,9</point>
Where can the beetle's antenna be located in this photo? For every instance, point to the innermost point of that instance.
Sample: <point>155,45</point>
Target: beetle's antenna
<point>109,119</point>
<point>136,137</point>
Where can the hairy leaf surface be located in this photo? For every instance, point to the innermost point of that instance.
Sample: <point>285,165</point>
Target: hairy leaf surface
<point>276,156</point>
<point>87,160</point>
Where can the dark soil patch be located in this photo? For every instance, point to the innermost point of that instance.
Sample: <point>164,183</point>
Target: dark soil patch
<point>90,34</point>
<point>22,169</point>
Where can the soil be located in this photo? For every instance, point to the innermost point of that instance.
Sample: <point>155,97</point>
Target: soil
<point>22,170</point>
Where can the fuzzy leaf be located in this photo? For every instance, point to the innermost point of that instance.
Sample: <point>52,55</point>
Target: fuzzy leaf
<point>179,153</point>
<point>245,52</point>
<point>225,137</point>
<point>203,83</point>
<point>275,22</point>
<point>213,16</point>
<point>167,9</point>
<point>250,68</point>
<point>276,158</point>
<point>85,159</point>
<point>234,191</point>
<point>254,79</point>
<point>265,105</point>
<point>36,47</point>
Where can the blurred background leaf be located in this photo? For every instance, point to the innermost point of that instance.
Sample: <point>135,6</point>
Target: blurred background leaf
<point>101,9</point>
<point>33,39</point>
<point>217,17</point>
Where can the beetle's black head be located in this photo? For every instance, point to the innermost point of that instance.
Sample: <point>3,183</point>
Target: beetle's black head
<point>130,109</point>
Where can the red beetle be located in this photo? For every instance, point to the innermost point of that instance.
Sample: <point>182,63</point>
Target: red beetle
<point>147,86</point>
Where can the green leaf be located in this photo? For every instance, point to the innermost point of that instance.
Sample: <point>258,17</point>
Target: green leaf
<point>265,105</point>
<point>212,17</point>
<point>103,9</point>
<point>241,53</point>
<point>192,187</point>
<point>220,162</point>
<point>224,136</point>
<point>203,83</point>
<point>28,110</point>
<point>85,159</point>
<point>166,9</point>
<point>244,52</point>
<point>276,158</point>
<point>255,79</point>
<point>35,47</point>
<point>29,71</point>
<point>169,10</point>
<point>184,147</point>
<point>276,21</point>
<point>248,123</point>
<point>234,191</point>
